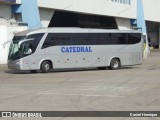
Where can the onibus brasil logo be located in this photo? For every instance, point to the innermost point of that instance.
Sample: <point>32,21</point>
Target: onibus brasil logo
<point>20,114</point>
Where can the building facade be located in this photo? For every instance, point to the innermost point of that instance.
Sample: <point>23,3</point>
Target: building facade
<point>18,15</point>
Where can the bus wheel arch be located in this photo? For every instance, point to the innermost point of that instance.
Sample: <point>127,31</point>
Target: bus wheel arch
<point>46,66</point>
<point>115,63</point>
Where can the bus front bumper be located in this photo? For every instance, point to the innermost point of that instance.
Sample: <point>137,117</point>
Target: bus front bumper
<point>14,64</point>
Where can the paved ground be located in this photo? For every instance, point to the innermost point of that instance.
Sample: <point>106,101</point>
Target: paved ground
<point>128,89</point>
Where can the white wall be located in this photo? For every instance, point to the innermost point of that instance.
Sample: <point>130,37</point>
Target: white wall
<point>5,14</point>
<point>102,7</point>
<point>105,7</point>
<point>18,1</point>
<point>152,8</point>
<point>7,34</point>
<point>5,11</point>
<point>45,16</point>
<point>123,24</point>
<point>3,52</point>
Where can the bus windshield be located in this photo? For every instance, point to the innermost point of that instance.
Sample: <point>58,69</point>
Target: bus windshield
<point>14,50</point>
<point>23,46</point>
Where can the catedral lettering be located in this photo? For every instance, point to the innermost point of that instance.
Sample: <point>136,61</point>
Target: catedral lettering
<point>76,49</point>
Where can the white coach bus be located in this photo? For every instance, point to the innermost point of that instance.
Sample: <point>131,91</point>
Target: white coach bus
<point>46,49</point>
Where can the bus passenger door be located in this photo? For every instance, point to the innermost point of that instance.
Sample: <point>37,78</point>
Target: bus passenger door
<point>28,56</point>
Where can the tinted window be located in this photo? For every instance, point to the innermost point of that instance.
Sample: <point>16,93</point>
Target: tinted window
<point>58,39</point>
<point>75,39</point>
<point>18,38</point>
<point>61,39</point>
<point>71,19</point>
<point>134,38</point>
<point>35,42</point>
<point>118,38</point>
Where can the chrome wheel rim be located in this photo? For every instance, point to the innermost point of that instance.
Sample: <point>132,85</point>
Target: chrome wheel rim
<point>47,67</point>
<point>115,64</point>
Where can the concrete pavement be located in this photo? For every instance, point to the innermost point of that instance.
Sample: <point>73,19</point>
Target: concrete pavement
<point>134,88</point>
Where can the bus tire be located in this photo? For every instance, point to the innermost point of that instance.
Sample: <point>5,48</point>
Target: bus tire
<point>115,64</point>
<point>46,66</point>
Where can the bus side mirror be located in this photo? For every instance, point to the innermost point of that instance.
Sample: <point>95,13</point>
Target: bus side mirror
<point>4,44</point>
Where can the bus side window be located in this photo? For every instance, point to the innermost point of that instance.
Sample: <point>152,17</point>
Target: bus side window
<point>37,38</point>
<point>123,38</point>
<point>48,42</point>
<point>28,49</point>
<point>134,38</point>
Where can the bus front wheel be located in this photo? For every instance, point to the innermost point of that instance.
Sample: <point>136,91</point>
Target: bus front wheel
<point>115,64</point>
<point>46,66</point>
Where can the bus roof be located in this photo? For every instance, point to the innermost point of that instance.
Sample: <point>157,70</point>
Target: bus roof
<point>73,30</point>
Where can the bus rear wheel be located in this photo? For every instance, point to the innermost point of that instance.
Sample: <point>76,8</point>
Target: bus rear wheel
<point>45,67</point>
<point>115,64</point>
